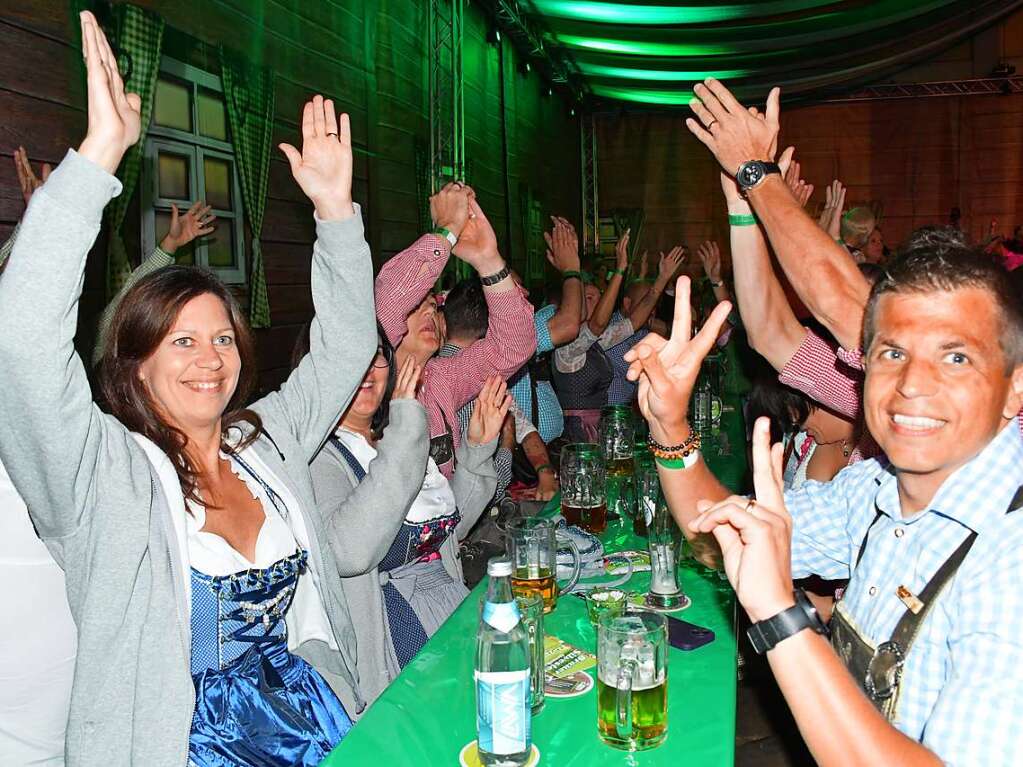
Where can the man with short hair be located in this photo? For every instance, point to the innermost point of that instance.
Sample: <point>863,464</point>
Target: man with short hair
<point>926,661</point>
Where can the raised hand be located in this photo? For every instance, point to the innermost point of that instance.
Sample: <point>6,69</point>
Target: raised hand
<point>27,179</point>
<point>644,265</point>
<point>196,222</point>
<point>492,406</point>
<point>562,245</point>
<point>733,133</point>
<point>667,369</point>
<point>668,264</point>
<point>831,217</point>
<point>710,256</point>
<point>477,245</point>
<point>114,116</point>
<point>449,208</point>
<point>323,169</point>
<point>801,190</point>
<point>755,536</point>
<point>622,251</point>
<point>407,379</point>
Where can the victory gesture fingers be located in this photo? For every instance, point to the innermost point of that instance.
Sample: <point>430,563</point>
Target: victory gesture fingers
<point>114,116</point>
<point>27,179</point>
<point>323,169</point>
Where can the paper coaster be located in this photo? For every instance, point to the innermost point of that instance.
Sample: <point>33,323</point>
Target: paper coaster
<point>583,684</point>
<point>470,757</point>
<point>639,601</point>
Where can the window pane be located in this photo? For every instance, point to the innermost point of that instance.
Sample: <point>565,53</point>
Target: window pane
<point>185,255</point>
<point>173,107</point>
<point>218,183</point>
<point>212,117</point>
<point>173,179</point>
<point>220,245</point>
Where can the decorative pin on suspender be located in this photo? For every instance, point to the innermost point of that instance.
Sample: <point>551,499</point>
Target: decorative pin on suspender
<point>909,599</point>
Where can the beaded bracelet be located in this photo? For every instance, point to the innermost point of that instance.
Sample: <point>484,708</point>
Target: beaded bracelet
<point>741,219</point>
<point>691,444</point>
<point>679,463</point>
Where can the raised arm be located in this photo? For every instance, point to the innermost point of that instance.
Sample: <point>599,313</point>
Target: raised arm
<point>666,269</point>
<point>821,271</point>
<point>606,305</point>
<point>771,325</point>
<point>511,335</point>
<point>53,439</point>
<point>405,280</point>
<point>342,337</point>
<point>563,253</point>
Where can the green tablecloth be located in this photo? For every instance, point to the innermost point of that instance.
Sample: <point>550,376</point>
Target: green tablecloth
<point>429,712</point>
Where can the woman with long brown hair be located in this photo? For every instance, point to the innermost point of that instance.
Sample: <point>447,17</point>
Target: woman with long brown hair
<point>212,626</point>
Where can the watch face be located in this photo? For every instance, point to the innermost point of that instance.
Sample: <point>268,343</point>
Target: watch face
<point>750,174</point>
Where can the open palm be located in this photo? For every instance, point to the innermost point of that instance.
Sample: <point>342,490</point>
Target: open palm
<point>323,169</point>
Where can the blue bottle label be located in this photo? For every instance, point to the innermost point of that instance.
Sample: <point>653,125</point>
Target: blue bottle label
<point>503,616</point>
<point>502,711</point>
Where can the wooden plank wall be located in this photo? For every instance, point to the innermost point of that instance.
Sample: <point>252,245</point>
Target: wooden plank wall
<point>370,56</point>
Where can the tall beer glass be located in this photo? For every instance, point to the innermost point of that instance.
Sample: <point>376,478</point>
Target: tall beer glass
<point>533,548</point>
<point>632,680</point>
<point>583,476</point>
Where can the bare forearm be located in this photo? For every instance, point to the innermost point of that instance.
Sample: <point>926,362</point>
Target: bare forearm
<point>840,726</point>
<point>645,306</point>
<point>821,272</point>
<point>605,307</point>
<point>536,450</point>
<point>564,325</point>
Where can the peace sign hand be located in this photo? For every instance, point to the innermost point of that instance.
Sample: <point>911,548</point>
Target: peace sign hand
<point>323,169</point>
<point>667,369</point>
<point>755,536</point>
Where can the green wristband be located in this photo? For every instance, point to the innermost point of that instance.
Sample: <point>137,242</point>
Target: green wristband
<point>741,219</point>
<point>612,272</point>
<point>544,467</point>
<point>678,463</point>
<point>570,274</point>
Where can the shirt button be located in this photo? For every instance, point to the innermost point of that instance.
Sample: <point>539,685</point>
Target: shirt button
<point>873,591</point>
<point>899,532</point>
<point>436,252</point>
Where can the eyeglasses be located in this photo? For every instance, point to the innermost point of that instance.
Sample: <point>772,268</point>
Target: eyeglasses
<point>381,361</point>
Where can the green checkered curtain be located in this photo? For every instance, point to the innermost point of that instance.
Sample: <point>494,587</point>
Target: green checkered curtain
<point>249,95</point>
<point>137,38</point>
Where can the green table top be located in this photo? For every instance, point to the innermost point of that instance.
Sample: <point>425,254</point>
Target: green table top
<point>429,712</point>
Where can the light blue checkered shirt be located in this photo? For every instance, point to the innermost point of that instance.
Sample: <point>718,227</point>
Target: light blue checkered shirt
<point>550,420</point>
<point>962,686</point>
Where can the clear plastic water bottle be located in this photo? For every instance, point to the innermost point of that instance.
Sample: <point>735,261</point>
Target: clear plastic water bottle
<point>502,674</point>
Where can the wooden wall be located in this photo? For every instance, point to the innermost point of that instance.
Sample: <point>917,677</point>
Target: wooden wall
<point>370,56</point>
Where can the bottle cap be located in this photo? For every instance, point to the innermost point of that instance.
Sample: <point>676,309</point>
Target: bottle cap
<point>499,566</point>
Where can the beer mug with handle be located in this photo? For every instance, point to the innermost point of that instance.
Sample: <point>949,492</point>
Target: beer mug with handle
<point>583,475</point>
<point>632,680</point>
<point>533,545</point>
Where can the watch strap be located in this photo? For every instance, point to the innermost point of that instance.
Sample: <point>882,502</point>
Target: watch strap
<point>493,279</point>
<point>766,634</point>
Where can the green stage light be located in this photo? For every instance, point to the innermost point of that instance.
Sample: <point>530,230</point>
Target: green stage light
<point>680,97</point>
<point>622,13</point>
<point>639,48</point>
<point>660,75</point>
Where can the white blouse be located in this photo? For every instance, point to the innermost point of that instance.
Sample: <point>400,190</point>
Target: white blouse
<point>435,498</point>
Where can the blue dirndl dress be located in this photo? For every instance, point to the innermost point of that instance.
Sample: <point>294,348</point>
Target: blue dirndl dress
<point>255,702</point>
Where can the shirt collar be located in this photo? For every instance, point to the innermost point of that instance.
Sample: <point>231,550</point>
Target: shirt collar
<point>978,492</point>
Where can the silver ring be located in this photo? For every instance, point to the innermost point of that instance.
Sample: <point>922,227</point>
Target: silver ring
<point>750,504</point>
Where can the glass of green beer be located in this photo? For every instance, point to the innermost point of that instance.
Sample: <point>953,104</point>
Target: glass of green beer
<point>632,680</point>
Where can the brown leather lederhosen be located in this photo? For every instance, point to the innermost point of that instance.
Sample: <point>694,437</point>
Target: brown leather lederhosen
<point>878,670</point>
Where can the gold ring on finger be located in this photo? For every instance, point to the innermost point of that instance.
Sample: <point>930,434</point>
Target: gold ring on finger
<point>750,505</point>
<point>711,124</point>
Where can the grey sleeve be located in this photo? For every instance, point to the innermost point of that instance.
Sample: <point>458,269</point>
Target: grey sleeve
<point>474,483</point>
<point>158,259</point>
<point>53,438</point>
<point>361,520</point>
<point>342,339</point>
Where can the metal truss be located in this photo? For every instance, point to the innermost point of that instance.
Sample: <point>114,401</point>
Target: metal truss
<point>590,202</point>
<point>987,86</point>
<point>447,113</point>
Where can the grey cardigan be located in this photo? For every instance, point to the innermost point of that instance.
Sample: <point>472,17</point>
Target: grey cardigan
<point>97,500</point>
<point>385,495</point>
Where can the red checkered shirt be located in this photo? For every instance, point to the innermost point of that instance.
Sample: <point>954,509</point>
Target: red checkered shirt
<point>447,383</point>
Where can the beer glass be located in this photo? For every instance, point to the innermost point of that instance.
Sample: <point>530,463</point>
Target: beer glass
<point>531,610</point>
<point>648,489</point>
<point>617,436</point>
<point>583,475</point>
<point>663,541</point>
<point>533,549</point>
<point>632,680</point>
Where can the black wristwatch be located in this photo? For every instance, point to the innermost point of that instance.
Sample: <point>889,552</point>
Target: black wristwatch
<point>752,174</point>
<point>765,634</point>
<point>493,279</point>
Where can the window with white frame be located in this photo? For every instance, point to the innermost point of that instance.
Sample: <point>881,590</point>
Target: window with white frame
<point>189,157</point>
